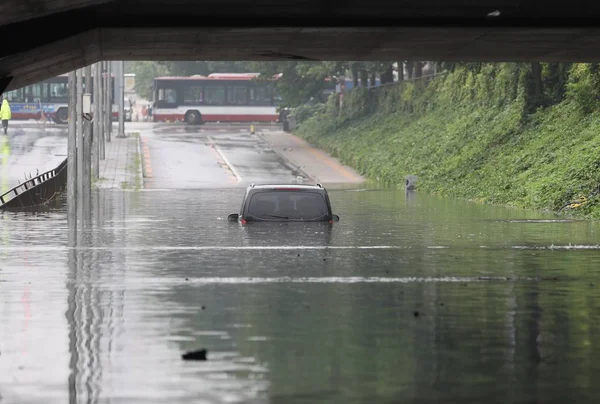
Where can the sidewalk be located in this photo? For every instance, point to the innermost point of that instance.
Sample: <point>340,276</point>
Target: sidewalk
<point>315,163</point>
<point>122,167</point>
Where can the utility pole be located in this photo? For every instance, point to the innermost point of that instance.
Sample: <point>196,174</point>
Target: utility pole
<point>97,90</point>
<point>121,94</point>
<point>87,149</point>
<point>109,100</point>
<point>79,110</point>
<point>72,151</point>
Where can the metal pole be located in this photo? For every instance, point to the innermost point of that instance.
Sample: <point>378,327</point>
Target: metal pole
<point>102,120</point>
<point>79,110</point>
<point>72,151</point>
<point>96,130</point>
<point>121,92</point>
<point>109,100</point>
<point>87,149</point>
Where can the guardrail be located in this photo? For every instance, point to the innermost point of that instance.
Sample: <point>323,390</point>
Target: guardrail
<point>37,190</point>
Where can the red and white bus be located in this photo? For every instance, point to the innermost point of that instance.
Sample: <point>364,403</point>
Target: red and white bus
<point>50,96</point>
<point>218,97</point>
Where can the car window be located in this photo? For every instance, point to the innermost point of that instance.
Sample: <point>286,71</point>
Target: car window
<point>287,204</point>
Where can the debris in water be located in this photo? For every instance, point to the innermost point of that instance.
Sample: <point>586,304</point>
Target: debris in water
<point>416,314</point>
<point>199,355</point>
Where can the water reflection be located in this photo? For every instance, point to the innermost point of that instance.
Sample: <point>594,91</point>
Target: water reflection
<point>420,300</point>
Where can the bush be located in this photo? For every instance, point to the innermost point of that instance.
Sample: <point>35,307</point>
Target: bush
<point>582,87</point>
<point>306,111</point>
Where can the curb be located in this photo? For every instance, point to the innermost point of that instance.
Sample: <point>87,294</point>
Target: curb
<point>146,165</point>
<point>140,173</point>
<point>289,161</point>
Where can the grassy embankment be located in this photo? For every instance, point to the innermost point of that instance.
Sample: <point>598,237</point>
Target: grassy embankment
<point>469,135</point>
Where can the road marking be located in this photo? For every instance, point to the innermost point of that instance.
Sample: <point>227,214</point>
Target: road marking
<point>231,167</point>
<point>355,279</point>
<point>287,247</point>
<point>223,164</point>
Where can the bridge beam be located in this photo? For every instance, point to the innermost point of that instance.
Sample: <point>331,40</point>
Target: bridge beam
<point>4,83</point>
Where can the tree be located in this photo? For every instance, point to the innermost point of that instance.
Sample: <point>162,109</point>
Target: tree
<point>301,82</point>
<point>145,72</point>
<point>400,69</point>
<point>409,69</point>
<point>555,77</point>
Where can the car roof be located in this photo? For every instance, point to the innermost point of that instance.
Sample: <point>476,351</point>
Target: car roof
<point>287,186</point>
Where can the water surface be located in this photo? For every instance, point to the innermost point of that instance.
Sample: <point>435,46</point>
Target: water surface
<point>411,299</point>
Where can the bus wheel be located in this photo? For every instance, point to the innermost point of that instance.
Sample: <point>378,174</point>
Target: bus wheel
<point>62,115</point>
<point>193,117</point>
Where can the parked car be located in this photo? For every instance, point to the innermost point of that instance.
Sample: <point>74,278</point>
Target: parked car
<point>289,203</point>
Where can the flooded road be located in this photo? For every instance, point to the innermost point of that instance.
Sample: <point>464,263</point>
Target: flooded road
<point>408,299</point>
<point>27,150</point>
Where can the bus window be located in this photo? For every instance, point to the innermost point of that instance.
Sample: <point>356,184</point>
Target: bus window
<point>167,96</point>
<point>34,92</point>
<point>193,95</point>
<point>214,95</point>
<point>260,96</point>
<point>14,95</point>
<point>59,92</point>
<point>237,95</point>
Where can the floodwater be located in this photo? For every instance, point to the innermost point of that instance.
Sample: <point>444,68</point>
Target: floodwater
<point>408,299</point>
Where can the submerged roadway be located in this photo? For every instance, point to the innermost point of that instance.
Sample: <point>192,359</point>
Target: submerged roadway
<point>409,298</point>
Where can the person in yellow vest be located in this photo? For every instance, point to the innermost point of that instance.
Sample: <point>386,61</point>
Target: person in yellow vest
<point>5,114</point>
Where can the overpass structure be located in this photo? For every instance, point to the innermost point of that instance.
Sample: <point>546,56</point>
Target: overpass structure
<point>44,38</point>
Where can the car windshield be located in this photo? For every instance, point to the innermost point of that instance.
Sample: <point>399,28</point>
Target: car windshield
<point>295,205</point>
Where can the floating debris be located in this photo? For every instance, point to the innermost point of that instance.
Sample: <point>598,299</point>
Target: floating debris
<point>199,355</point>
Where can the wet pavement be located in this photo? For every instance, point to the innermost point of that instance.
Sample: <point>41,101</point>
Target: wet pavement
<point>210,156</point>
<point>408,298</point>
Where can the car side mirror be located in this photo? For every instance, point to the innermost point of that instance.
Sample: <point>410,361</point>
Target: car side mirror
<point>233,217</point>
<point>335,218</point>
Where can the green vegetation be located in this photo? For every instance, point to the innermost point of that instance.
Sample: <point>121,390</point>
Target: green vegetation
<point>526,135</point>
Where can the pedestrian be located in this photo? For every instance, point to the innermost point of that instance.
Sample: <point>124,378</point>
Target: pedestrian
<point>5,114</point>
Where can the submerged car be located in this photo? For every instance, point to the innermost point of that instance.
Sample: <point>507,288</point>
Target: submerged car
<point>289,203</point>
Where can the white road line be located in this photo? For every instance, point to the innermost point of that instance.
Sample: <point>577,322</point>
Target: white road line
<point>231,167</point>
<point>281,247</point>
<point>208,248</point>
<point>350,279</point>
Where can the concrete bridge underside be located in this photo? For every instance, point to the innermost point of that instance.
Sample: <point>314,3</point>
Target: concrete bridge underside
<point>43,38</point>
